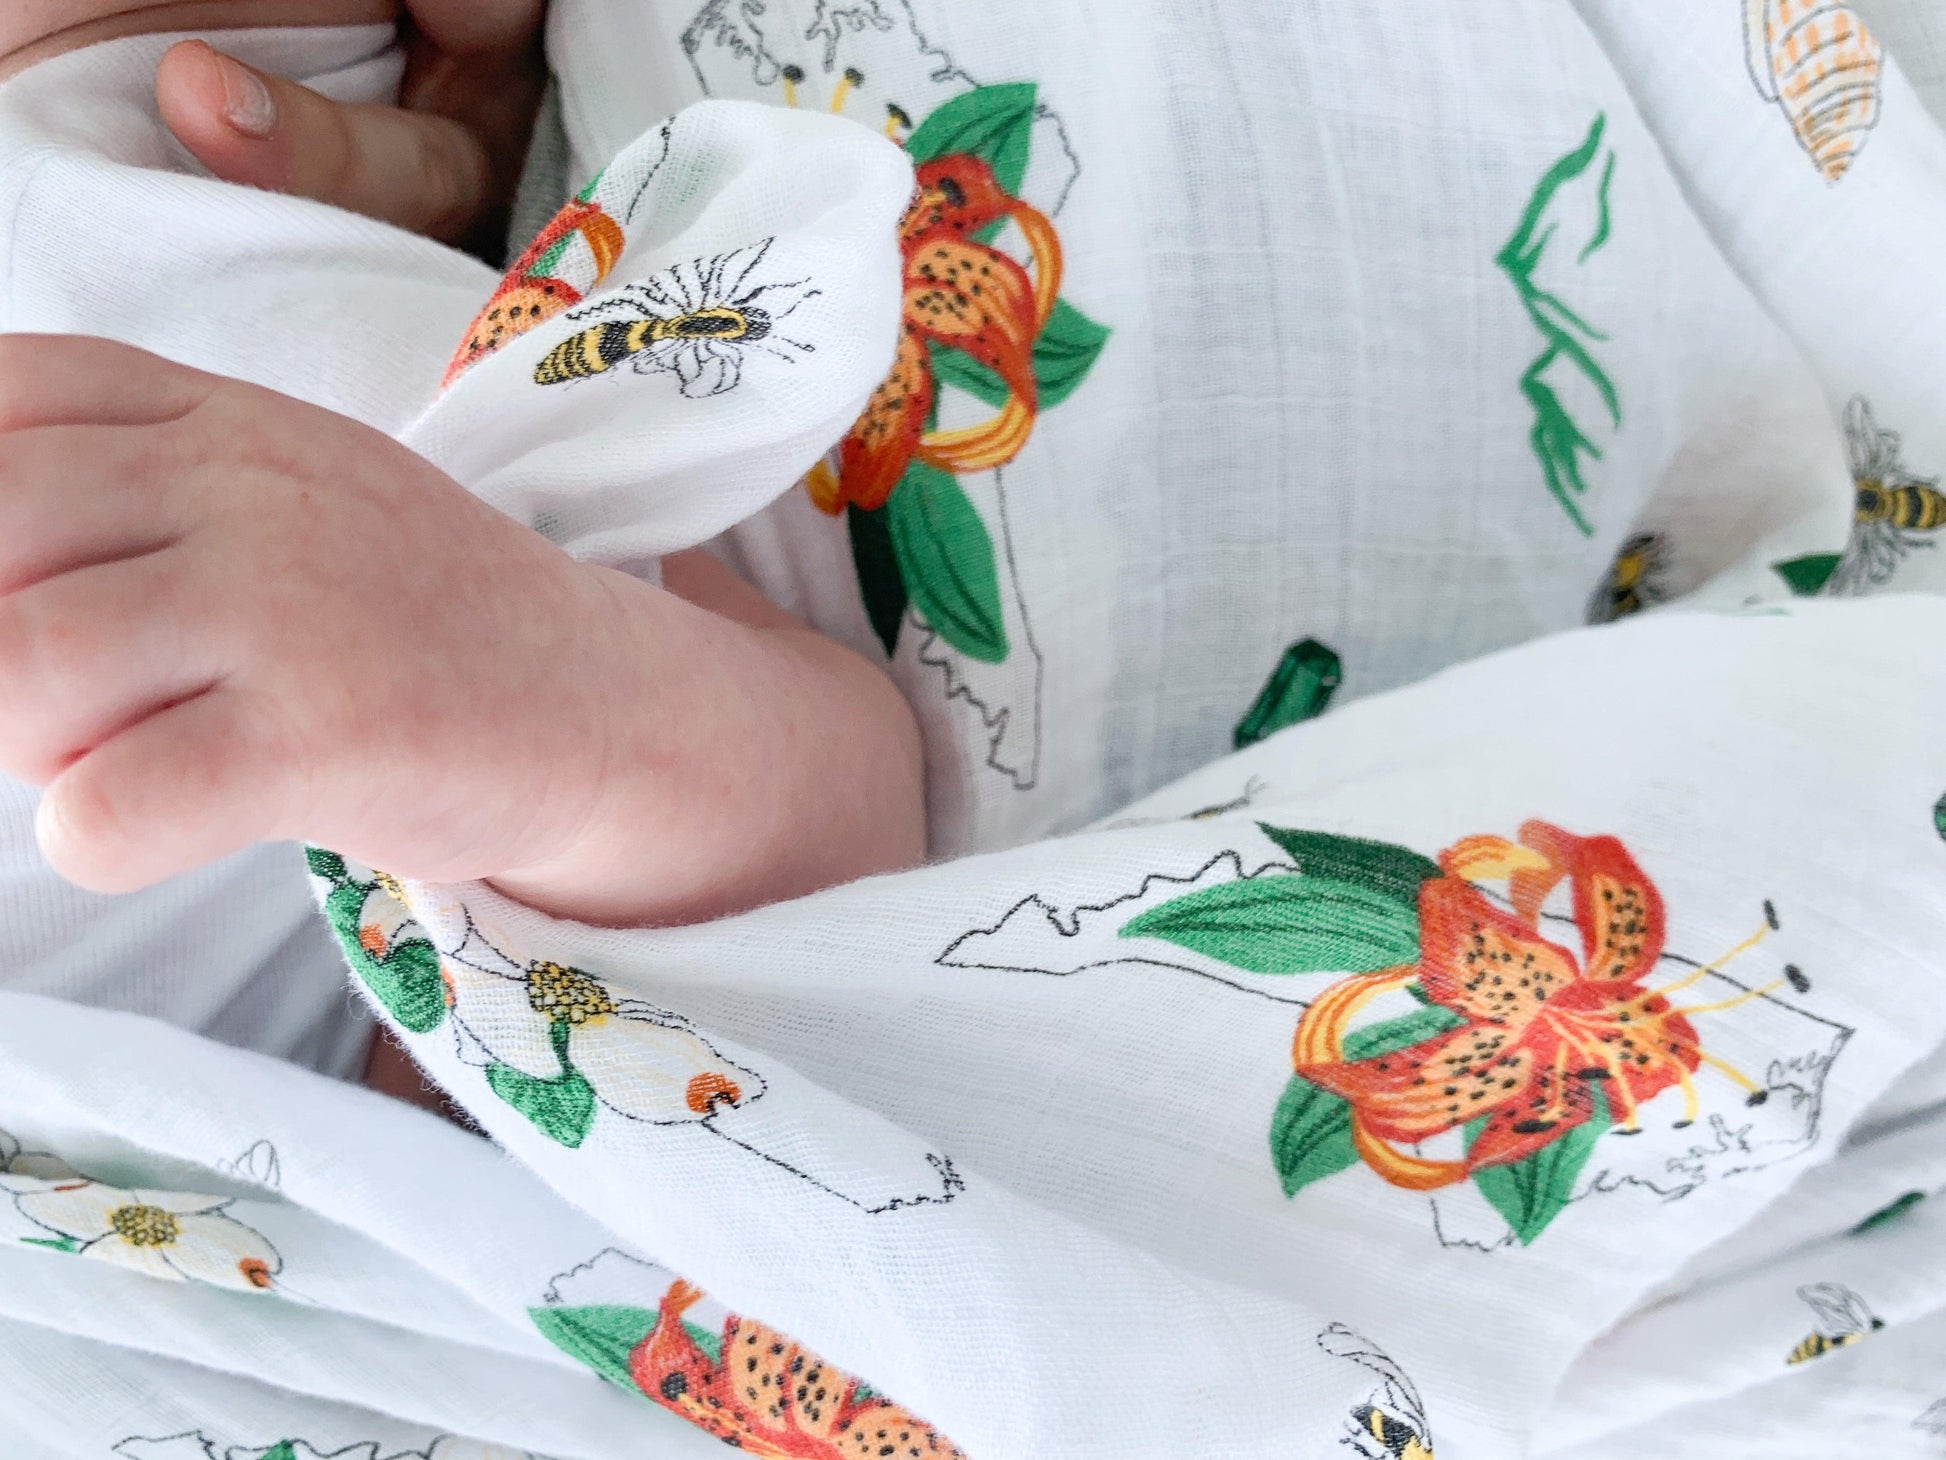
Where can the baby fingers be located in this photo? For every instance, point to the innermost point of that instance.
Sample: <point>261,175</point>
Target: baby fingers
<point>76,380</point>
<point>188,785</point>
<point>71,496</point>
<point>88,653</point>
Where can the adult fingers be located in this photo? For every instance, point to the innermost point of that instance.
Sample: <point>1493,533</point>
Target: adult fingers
<point>415,169</point>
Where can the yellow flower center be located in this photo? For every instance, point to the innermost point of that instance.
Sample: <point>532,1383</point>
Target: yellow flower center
<point>393,887</point>
<point>566,995</point>
<point>142,1226</point>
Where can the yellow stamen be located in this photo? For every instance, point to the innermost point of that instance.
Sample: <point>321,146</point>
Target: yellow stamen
<point>1743,998</point>
<point>1730,1072</point>
<point>845,83</point>
<point>1699,974</point>
<point>1723,1067</point>
<point>1690,1102</point>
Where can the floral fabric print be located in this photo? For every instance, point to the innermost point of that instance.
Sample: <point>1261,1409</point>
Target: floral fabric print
<point>763,1395</point>
<point>163,1234</point>
<point>556,1042</point>
<point>1541,1042</point>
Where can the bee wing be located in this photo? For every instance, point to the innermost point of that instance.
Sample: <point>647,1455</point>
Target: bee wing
<point>1345,1342</point>
<point>734,270</point>
<point>1840,1310</point>
<point>1874,453</point>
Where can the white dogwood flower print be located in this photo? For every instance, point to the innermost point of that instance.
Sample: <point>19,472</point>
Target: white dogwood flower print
<point>557,1042</point>
<point>171,1235</point>
<point>700,321</point>
<point>16,1160</point>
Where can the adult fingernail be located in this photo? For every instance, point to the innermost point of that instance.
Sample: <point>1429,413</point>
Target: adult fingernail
<point>247,103</point>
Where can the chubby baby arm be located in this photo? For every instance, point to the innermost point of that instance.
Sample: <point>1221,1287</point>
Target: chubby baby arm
<point>227,616</point>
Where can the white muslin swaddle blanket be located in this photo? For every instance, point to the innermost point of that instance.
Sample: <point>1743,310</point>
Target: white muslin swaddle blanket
<point>1536,1054</point>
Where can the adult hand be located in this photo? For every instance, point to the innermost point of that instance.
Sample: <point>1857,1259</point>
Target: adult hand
<point>442,163</point>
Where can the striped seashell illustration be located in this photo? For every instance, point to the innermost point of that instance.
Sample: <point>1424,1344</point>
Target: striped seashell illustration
<point>1817,61</point>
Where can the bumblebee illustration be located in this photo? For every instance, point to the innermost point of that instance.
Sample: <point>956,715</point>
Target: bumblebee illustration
<point>1634,580</point>
<point>1843,1319</point>
<point>1391,1425</point>
<point>1894,512</point>
<point>698,321</point>
<point>606,345</point>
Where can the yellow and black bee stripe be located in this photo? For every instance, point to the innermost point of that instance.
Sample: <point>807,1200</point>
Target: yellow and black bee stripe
<point>606,345</point>
<point>1401,1440</point>
<point>1912,508</point>
<point>1633,582</point>
<point>1820,1344</point>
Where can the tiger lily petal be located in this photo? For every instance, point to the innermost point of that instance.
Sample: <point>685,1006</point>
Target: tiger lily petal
<point>1540,1031</point>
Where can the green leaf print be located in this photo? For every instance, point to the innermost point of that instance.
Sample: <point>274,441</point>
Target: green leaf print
<point>54,1244</point>
<point>1299,689</point>
<point>342,905</point>
<point>562,1108</point>
<point>1310,1135</point>
<point>1532,1193</point>
<point>1808,575</point>
<point>603,1336</point>
<point>946,561</point>
<point>328,865</point>
<point>1064,352</point>
<point>1285,924</point>
<point>406,980</point>
<point>1889,1213</point>
<point>1563,219</point>
<point>1939,817</point>
<point>282,1450</point>
<point>879,579</point>
<point>992,123</point>
<point>1397,872</point>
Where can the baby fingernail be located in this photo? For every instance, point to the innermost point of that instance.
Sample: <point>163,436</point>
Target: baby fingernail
<point>247,103</point>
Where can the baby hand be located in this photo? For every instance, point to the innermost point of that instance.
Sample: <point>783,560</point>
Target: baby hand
<point>227,616</point>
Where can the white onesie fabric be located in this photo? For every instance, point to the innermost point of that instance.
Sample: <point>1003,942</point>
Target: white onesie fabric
<point>1531,1056</point>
